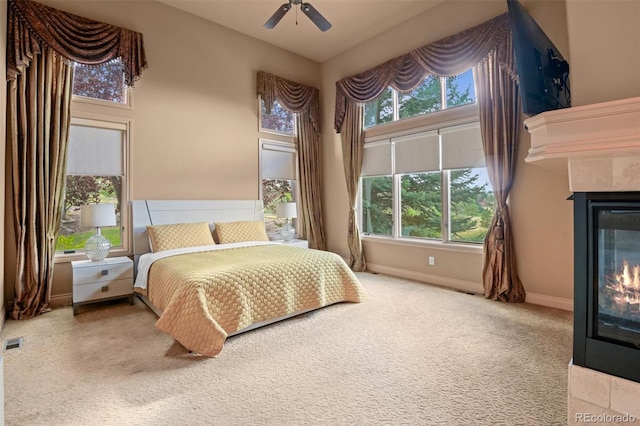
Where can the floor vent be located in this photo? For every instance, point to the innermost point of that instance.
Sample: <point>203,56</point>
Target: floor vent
<point>15,343</point>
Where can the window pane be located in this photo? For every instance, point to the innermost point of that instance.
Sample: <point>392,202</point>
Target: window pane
<point>421,205</point>
<point>280,120</point>
<point>275,191</point>
<point>421,100</point>
<point>461,89</point>
<point>377,205</point>
<point>472,204</point>
<point>105,82</point>
<point>379,110</point>
<point>80,190</point>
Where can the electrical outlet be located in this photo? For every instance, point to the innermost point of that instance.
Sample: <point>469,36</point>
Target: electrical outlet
<point>432,260</point>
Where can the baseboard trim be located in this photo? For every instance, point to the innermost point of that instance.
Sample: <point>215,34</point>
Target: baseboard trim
<point>550,301</point>
<point>65,299</point>
<point>467,286</point>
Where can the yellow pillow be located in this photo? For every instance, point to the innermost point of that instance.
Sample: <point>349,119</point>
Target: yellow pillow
<point>179,235</point>
<point>235,232</point>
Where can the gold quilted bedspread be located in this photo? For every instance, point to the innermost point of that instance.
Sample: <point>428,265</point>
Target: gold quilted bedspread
<point>206,296</point>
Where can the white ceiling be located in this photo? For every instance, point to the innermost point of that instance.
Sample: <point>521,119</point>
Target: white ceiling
<point>354,21</point>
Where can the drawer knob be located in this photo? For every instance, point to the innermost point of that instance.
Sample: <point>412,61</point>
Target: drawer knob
<point>105,289</point>
<point>105,272</point>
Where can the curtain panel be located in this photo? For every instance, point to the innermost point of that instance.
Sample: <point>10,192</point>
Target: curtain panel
<point>305,101</point>
<point>472,48</point>
<point>42,46</point>
<point>32,26</point>
<point>499,104</point>
<point>38,113</point>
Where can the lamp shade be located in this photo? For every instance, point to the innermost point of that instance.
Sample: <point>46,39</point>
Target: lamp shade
<point>286,210</point>
<point>96,215</point>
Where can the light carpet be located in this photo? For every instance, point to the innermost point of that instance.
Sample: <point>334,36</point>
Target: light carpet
<point>413,354</point>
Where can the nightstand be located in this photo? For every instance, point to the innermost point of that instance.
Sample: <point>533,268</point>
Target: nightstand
<point>108,279</point>
<point>295,242</point>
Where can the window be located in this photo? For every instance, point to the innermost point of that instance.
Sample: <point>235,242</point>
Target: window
<point>96,166</point>
<point>427,184</point>
<point>433,94</point>
<point>280,121</point>
<point>97,156</point>
<point>104,83</point>
<point>278,173</point>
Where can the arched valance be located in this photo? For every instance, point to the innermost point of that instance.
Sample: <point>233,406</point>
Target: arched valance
<point>447,57</point>
<point>33,27</point>
<point>293,96</point>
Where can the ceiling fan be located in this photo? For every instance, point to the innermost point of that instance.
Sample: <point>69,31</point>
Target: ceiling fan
<point>306,8</point>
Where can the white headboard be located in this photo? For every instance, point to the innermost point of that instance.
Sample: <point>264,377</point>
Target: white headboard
<point>164,212</point>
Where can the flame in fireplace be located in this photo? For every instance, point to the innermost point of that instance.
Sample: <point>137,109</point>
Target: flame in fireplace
<point>627,284</point>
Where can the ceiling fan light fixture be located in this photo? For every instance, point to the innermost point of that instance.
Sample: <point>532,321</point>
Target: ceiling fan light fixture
<point>306,8</point>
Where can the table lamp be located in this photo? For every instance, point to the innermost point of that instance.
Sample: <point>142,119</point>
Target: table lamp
<point>287,211</point>
<point>94,216</point>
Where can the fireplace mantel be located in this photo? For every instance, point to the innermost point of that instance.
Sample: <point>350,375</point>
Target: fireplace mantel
<point>598,144</point>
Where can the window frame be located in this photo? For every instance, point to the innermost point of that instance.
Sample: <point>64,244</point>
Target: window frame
<point>287,146</point>
<point>450,117</point>
<point>101,103</point>
<point>108,122</point>
<point>262,129</point>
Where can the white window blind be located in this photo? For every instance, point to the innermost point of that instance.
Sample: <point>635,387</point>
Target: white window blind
<point>419,152</point>
<point>462,147</point>
<point>278,162</point>
<point>376,159</point>
<point>95,151</point>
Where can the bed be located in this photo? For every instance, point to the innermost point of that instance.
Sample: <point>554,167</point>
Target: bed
<point>208,270</point>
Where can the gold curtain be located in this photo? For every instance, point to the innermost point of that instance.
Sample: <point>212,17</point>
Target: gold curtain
<point>499,102</point>
<point>310,167</point>
<point>305,101</point>
<point>39,113</point>
<point>486,45</point>
<point>42,45</point>
<point>353,151</point>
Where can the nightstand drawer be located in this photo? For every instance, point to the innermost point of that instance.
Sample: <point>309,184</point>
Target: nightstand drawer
<point>102,290</point>
<point>102,273</point>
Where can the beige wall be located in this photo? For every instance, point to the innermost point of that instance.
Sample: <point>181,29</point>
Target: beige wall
<point>604,37</point>
<point>195,111</point>
<point>541,216</point>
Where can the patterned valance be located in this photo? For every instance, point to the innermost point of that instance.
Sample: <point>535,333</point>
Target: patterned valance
<point>447,57</point>
<point>33,27</point>
<point>293,96</point>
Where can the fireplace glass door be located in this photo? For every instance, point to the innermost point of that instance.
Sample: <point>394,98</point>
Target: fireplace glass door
<point>617,292</point>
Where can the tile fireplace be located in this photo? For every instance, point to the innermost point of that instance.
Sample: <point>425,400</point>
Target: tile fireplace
<point>607,282</point>
<point>599,146</point>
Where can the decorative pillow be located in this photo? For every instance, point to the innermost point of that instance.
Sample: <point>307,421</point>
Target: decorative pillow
<point>179,235</point>
<point>235,232</point>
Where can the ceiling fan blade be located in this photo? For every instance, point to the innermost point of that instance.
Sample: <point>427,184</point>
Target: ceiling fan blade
<point>315,16</point>
<point>276,17</point>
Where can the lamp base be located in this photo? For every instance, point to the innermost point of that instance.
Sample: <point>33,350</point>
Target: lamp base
<point>287,232</point>
<point>97,248</point>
